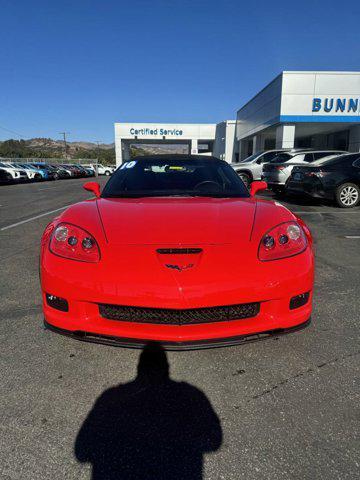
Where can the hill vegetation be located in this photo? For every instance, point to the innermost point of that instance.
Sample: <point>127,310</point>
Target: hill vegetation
<point>48,148</point>
<point>105,153</point>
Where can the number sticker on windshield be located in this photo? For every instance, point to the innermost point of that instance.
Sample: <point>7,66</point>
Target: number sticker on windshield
<point>128,165</point>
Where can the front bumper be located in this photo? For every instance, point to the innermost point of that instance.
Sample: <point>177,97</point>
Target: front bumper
<point>85,286</point>
<point>23,177</point>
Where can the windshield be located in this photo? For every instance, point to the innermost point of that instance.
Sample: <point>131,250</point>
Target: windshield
<point>329,159</point>
<point>186,176</point>
<point>335,159</point>
<point>252,157</point>
<point>281,157</point>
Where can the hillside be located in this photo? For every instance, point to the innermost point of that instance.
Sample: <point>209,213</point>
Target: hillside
<point>105,152</point>
<point>49,148</point>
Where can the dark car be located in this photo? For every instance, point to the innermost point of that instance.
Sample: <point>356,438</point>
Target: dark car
<point>90,172</point>
<point>75,171</point>
<point>83,170</point>
<point>333,178</point>
<point>277,172</point>
<point>61,172</point>
<point>5,177</point>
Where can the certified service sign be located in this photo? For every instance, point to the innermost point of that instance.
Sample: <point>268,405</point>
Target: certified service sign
<point>163,132</point>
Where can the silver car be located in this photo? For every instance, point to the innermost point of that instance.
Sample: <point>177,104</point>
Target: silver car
<point>278,170</point>
<point>251,168</point>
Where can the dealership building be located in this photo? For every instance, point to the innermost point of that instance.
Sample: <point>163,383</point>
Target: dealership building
<point>297,109</point>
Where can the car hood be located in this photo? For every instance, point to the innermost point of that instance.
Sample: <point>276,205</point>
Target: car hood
<point>175,221</point>
<point>13,169</point>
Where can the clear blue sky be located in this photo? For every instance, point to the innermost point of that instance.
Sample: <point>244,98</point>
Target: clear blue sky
<point>81,65</point>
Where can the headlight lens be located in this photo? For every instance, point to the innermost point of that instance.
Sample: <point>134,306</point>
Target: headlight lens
<point>284,240</point>
<point>75,243</point>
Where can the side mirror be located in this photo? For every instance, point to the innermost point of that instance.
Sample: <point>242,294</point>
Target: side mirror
<point>92,187</point>
<point>257,186</point>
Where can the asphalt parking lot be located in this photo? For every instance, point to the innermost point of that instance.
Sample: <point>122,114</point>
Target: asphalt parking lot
<point>288,408</point>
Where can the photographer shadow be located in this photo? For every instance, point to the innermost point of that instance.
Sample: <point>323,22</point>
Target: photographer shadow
<point>150,428</point>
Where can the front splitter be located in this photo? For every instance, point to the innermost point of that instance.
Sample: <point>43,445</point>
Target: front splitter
<point>191,345</point>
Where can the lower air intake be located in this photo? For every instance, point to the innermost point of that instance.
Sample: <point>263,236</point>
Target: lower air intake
<point>168,316</point>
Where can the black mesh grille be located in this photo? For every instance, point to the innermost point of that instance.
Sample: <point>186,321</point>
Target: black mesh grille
<point>168,316</point>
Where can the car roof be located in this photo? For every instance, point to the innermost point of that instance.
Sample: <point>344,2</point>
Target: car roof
<point>353,155</point>
<point>301,152</point>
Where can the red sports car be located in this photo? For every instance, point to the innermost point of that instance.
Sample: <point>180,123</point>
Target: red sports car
<point>176,250</point>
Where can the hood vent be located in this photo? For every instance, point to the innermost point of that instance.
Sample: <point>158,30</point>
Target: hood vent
<point>179,251</point>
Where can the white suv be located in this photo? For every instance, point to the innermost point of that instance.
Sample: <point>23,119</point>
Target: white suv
<point>105,170</point>
<point>101,169</point>
<point>16,173</point>
<point>251,168</point>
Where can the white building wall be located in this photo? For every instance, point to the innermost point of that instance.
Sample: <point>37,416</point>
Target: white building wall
<point>141,132</point>
<point>221,134</point>
<point>299,89</point>
<point>261,111</point>
<point>220,141</point>
<point>291,96</point>
<point>324,102</point>
<point>171,131</point>
<point>230,143</point>
<point>224,145</point>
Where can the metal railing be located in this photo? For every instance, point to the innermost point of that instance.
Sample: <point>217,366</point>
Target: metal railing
<point>52,161</point>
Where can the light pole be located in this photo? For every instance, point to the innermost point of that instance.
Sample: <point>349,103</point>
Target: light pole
<point>65,144</point>
<point>98,155</point>
<point>98,149</point>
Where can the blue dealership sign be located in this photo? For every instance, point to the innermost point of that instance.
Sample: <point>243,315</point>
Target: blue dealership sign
<point>327,105</point>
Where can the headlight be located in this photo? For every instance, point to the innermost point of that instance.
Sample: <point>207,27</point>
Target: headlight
<point>284,240</point>
<point>70,241</point>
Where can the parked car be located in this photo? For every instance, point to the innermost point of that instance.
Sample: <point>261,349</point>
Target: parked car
<point>41,172</point>
<point>251,168</point>
<point>5,177</point>
<point>334,178</point>
<point>84,171</point>
<point>18,175</point>
<point>105,170</point>
<point>211,272</point>
<point>49,172</point>
<point>75,171</point>
<point>278,170</point>
<point>32,173</point>
<point>67,170</point>
<point>61,172</point>
<point>90,171</point>
<point>24,175</point>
